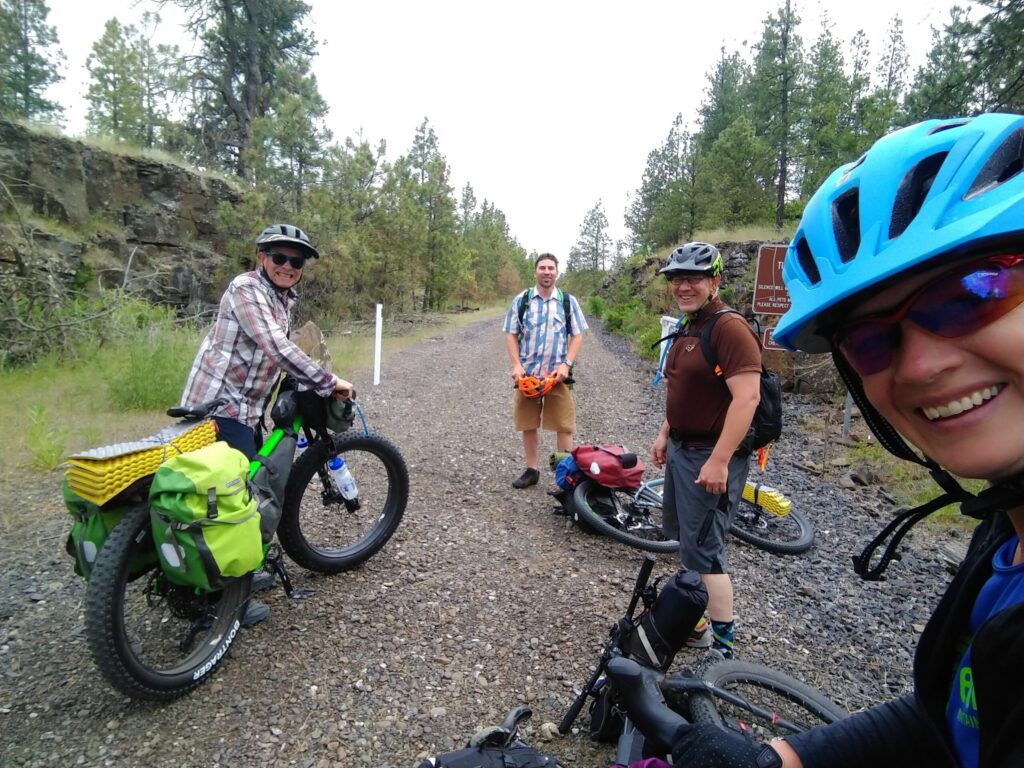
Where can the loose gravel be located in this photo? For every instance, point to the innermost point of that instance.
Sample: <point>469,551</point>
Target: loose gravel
<point>483,600</point>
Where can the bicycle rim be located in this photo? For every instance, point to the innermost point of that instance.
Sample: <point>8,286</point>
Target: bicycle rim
<point>789,706</point>
<point>317,529</point>
<point>614,513</point>
<point>152,639</point>
<point>788,534</point>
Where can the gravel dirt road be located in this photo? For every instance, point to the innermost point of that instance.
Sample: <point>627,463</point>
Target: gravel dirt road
<point>483,600</point>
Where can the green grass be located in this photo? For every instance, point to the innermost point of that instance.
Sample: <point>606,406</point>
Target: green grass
<point>119,391</point>
<point>765,233</point>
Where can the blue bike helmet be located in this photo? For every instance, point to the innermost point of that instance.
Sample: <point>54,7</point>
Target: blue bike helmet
<point>922,195</point>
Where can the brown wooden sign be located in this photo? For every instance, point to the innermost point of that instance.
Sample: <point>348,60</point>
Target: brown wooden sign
<point>770,296</point>
<point>768,342</point>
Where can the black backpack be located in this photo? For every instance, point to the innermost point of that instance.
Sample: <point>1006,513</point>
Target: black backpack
<point>767,423</point>
<point>496,747</point>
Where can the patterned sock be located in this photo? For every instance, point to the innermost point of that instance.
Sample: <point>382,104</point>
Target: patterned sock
<point>722,632</point>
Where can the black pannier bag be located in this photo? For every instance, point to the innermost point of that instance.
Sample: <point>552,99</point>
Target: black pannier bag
<point>663,629</point>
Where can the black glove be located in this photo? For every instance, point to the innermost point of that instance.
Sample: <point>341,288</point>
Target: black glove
<point>708,746</point>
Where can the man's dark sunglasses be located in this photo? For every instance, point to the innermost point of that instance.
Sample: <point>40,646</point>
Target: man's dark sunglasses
<point>297,262</point>
<point>954,304</point>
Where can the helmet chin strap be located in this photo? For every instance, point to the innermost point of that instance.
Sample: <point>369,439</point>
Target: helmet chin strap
<point>1000,495</point>
<point>697,312</point>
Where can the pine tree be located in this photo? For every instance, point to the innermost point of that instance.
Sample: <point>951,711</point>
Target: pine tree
<point>666,207</point>
<point>29,61</point>
<point>947,85</point>
<point>998,55</point>
<point>593,244</point>
<point>776,90</point>
<point>115,95</point>
<point>254,55</point>
<point>825,128</point>
<point>724,96</point>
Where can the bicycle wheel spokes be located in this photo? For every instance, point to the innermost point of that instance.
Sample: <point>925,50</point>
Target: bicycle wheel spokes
<point>150,638</point>
<point>617,514</point>
<point>318,530</point>
<point>788,534</point>
<point>755,699</point>
<point>165,624</point>
<point>327,523</point>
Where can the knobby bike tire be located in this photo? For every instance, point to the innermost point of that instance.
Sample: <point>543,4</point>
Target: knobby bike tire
<point>764,687</point>
<point>599,507</point>
<point>142,655</point>
<point>790,534</point>
<point>317,531</point>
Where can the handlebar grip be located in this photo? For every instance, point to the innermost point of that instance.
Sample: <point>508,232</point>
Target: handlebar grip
<point>640,690</point>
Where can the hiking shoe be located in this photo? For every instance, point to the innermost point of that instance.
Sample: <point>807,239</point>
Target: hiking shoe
<point>700,637</point>
<point>255,612</point>
<point>529,477</point>
<point>262,580</point>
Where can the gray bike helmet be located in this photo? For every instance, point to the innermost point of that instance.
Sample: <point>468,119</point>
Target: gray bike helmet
<point>286,234</point>
<point>695,259</point>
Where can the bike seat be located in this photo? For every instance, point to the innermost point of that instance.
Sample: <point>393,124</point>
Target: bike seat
<point>638,688</point>
<point>195,412</point>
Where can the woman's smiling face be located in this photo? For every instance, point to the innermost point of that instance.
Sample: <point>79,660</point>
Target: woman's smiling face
<point>960,400</point>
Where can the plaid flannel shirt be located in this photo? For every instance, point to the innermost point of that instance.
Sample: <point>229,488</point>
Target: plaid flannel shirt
<point>247,348</point>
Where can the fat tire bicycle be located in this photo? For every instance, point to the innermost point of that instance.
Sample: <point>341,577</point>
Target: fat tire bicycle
<point>634,518</point>
<point>743,697</point>
<point>152,639</point>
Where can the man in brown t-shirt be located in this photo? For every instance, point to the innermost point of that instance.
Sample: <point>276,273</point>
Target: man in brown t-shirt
<point>707,416</point>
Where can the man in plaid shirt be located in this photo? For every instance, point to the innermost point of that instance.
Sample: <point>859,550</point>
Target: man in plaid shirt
<point>248,347</point>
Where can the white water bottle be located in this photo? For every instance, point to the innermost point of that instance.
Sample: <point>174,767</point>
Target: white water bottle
<point>300,445</point>
<point>343,478</point>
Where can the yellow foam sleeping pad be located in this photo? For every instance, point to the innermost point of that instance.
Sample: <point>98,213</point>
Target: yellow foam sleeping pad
<point>99,474</point>
<point>768,498</point>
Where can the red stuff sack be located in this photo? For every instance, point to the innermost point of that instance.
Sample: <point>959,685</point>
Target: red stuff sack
<point>609,465</point>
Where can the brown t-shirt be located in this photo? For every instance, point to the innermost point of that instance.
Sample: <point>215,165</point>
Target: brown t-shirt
<point>697,400</point>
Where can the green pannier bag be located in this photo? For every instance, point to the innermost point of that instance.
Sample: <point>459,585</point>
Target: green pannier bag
<point>90,527</point>
<point>204,517</point>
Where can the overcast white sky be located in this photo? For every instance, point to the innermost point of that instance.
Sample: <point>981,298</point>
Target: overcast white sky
<point>543,107</point>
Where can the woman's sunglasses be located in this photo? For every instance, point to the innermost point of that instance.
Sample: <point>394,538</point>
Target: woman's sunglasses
<point>296,262</point>
<point>952,305</point>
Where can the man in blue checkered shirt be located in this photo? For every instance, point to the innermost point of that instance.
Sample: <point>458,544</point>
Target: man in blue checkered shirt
<point>542,341</point>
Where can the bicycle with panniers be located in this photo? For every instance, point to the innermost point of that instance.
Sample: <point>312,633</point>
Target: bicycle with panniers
<point>169,530</point>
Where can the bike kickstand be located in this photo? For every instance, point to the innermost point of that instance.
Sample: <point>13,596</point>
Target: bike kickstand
<point>275,559</point>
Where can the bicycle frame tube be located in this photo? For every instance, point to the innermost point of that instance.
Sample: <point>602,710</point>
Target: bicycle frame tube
<point>271,443</point>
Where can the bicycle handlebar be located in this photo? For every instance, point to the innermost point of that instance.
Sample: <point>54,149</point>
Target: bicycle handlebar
<point>639,688</point>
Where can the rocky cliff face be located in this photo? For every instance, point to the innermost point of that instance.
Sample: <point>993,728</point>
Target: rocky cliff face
<point>70,212</point>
